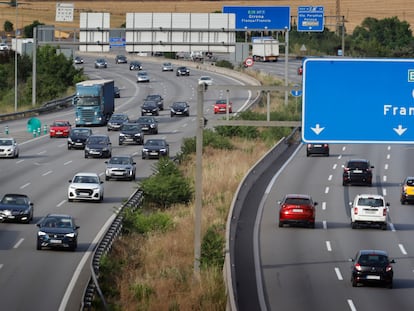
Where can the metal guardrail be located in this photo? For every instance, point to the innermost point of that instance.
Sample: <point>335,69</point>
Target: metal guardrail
<point>103,248</point>
<point>47,107</point>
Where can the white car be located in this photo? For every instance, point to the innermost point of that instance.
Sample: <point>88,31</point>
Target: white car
<point>206,80</point>
<point>9,148</point>
<point>167,67</point>
<point>4,47</point>
<point>86,186</point>
<point>369,209</point>
<point>142,76</point>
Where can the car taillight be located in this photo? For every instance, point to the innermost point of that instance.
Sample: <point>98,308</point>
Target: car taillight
<point>355,210</point>
<point>346,169</point>
<point>357,267</point>
<point>384,212</point>
<point>388,268</point>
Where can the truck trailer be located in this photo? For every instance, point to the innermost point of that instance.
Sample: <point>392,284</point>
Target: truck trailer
<point>265,49</point>
<point>94,102</point>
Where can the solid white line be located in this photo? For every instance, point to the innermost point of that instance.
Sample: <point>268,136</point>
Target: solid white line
<point>18,243</point>
<point>351,305</point>
<point>338,274</point>
<point>328,246</point>
<point>402,249</point>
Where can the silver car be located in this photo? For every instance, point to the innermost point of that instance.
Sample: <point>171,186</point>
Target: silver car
<point>120,167</point>
<point>9,148</point>
<point>142,76</point>
<point>86,186</point>
<point>167,67</point>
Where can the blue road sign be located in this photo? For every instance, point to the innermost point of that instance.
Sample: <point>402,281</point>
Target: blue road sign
<point>116,42</point>
<point>358,100</point>
<point>310,18</point>
<point>260,17</point>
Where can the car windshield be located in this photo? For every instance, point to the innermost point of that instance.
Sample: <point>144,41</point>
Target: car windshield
<point>131,127</point>
<point>97,141</point>
<point>120,160</point>
<point>81,132</point>
<point>58,222</point>
<point>155,143</point>
<point>180,105</point>
<point>86,180</point>
<point>357,164</point>
<point>6,142</point>
<point>373,260</point>
<point>14,200</point>
<point>118,118</point>
<point>60,123</point>
<point>370,202</point>
<point>142,73</point>
<point>145,120</point>
<point>297,201</point>
<point>410,182</point>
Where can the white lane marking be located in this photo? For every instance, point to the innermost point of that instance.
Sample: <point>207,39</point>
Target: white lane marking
<point>402,249</point>
<point>328,246</point>
<point>389,147</point>
<point>340,157</point>
<point>384,192</point>
<point>392,227</point>
<point>61,203</point>
<point>338,274</point>
<point>327,190</point>
<point>20,161</point>
<point>330,177</point>
<point>18,243</point>
<point>323,205</point>
<point>325,224</point>
<point>42,152</point>
<point>334,166</point>
<point>388,156</point>
<point>343,148</point>
<point>68,162</point>
<point>386,166</point>
<point>47,173</point>
<point>351,305</point>
<point>384,178</point>
<point>25,185</point>
<point>1,265</point>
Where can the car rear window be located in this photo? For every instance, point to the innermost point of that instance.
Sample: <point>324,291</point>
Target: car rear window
<point>357,164</point>
<point>373,259</point>
<point>410,182</point>
<point>297,201</point>
<point>370,202</point>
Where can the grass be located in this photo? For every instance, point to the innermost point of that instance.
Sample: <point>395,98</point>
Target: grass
<point>354,11</point>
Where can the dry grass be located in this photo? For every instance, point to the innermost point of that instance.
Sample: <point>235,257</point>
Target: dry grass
<point>354,11</point>
<point>162,264</point>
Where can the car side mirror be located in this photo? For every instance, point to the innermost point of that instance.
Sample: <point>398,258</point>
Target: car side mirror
<point>387,204</point>
<point>315,203</point>
<point>392,261</point>
<point>70,181</point>
<point>77,227</point>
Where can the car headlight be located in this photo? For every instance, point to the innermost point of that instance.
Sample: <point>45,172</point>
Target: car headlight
<point>121,135</point>
<point>163,150</point>
<point>70,235</point>
<point>152,125</point>
<point>41,233</point>
<point>105,149</point>
<point>87,148</point>
<point>138,134</point>
<point>70,140</point>
<point>144,149</point>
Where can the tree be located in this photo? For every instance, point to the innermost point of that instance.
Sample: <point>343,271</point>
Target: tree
<point>8,26</point>
<point>28,30</point>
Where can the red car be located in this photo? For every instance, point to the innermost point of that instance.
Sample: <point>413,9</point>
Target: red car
<point>297,209</point>
<point>60,128</point>
<point>300,70</point>
<point>221,106</point>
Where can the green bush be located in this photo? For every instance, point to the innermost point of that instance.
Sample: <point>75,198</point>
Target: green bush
<point>225,64</point>
<point>144,223</point>
<point>212,247</point>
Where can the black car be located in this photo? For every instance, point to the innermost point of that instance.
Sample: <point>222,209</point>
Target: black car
<point>78,60</point>
<point>357,172</point>
<point>16,207</point>
<point>121,59</point>
<point>98,146</point>
<point>131,133</point>
<point>180,109</point>
<point>120,167</point>
<point>135,65</point>
<point>116,120</point>
<point>78,136</point>
<point>150,107</point>
<point>182,71</point>
<point>57,231</point>
<point>157,98</point>
<point>155,148</point>
<point>372,267</point>
<point>319,148</point>
<point>117,92</point>
<point>149,124</point>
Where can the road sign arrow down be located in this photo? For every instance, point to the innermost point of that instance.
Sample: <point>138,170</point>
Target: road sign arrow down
<point>399,130</point>
<point>318,129</point>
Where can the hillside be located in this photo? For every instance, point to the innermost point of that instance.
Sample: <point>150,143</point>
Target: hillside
<point>354,11</point>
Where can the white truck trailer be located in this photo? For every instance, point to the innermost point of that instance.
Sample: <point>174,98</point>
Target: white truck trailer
<point>265,49</point>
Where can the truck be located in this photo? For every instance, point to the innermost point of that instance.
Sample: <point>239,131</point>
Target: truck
<point>94,102</point>
<point>265,49</point>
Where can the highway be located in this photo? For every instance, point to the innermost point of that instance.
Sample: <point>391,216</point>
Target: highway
<point>53,279</point>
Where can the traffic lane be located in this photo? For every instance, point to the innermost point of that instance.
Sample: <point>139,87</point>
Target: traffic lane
<point>278,69</point>
<point>385,239</point>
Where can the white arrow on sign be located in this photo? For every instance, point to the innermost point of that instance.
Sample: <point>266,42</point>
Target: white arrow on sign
<point>400,130</point>
<point>317,129</point>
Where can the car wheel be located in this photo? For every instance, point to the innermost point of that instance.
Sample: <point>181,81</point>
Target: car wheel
<point>38,245</point>
<point>307,154</point>
<point>280,224</point>
<point>69,147</point>
<point>120,143</point>
<point>402,201</point>
<point>74,246</point>
<point>344,183</point>
<point>70,200</point>
<point>390,285</point>
<point>384,227</point>
<point>312,225</point>
<point>86,156</point>
<point>17,155</point>
<point>354,225</point>
<point>354,282</point>
<point>106,178</point>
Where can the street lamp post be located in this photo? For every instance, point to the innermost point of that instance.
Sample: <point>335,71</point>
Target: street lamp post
<point>15,60</point>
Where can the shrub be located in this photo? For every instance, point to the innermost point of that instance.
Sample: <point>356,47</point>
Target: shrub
<point>212,246</point>
<point>225,64</point>
<point>145,223</point>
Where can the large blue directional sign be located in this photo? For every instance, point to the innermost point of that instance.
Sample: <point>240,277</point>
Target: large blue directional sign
<point>310,18</point>
<point>260,17</point>
<point>358,100</point>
